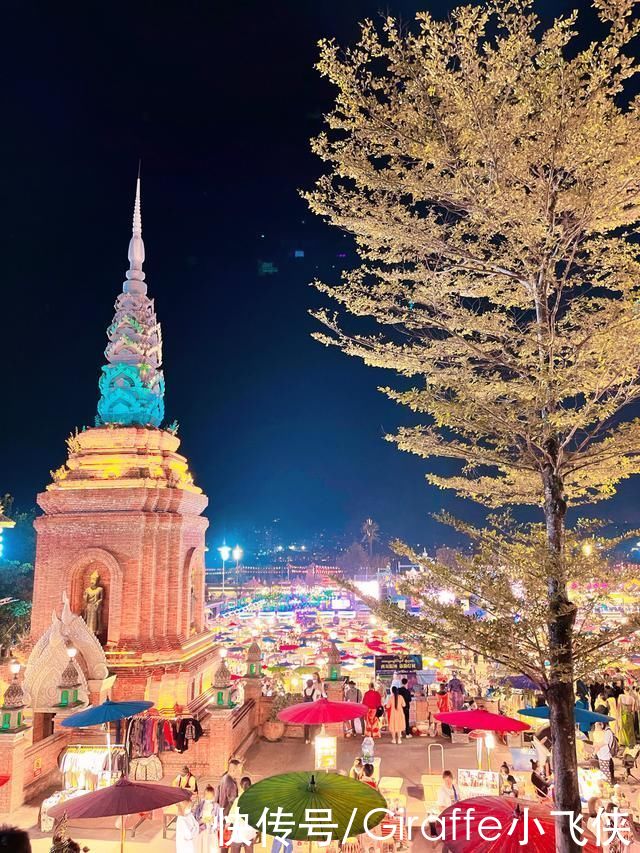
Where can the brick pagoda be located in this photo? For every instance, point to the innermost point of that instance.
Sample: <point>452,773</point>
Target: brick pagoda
<point>122,532</point>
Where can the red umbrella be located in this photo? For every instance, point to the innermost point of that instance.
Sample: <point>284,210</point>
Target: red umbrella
<point>288,648</point>
<point>123,798</point>
<point>481,720</point>
<point>322,711</point>
<point>512,828</point>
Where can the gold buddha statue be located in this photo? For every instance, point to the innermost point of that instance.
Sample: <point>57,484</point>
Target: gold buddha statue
<point>93,603</point>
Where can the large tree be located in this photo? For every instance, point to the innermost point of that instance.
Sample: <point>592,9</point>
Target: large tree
<point>488,170</point>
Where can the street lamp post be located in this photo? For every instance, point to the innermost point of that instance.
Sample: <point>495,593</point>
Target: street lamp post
<point>237,556</point>
<point>225,553</point>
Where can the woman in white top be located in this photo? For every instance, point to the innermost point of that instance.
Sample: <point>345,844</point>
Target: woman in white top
<point>187,830</point>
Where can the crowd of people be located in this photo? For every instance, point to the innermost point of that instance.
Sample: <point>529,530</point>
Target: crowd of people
<point>212,822</point>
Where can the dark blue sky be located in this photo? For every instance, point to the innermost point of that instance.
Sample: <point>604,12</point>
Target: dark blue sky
<point>219,100</point>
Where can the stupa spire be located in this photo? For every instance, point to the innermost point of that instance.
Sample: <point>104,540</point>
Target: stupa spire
<point>136,246</point>
<point>132,383</point>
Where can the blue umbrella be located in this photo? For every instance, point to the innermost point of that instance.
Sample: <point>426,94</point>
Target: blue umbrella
<point>96,715</point>
<point>581,716</point>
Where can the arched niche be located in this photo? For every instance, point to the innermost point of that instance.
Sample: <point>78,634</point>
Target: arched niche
<point>78,577</point>
<point>194,579</point>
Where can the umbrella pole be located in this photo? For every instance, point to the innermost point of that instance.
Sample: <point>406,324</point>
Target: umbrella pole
<point>109,748</point>
<point>122,833</point>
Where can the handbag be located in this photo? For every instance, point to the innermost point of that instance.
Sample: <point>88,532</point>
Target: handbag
<point>379,711</point>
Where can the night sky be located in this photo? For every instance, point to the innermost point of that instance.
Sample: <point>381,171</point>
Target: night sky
<point>219,101</point>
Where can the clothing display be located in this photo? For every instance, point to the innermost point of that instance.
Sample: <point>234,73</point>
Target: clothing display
<point>186,729</point>
<point>150,734</point>
<point>146,769</point>
<point>87,767</point>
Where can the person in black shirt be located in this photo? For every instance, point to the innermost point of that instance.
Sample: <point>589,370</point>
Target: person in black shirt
<point>406,695</point>
<point>538,781</point>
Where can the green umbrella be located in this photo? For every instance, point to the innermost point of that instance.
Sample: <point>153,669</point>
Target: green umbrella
<point>294,793</point>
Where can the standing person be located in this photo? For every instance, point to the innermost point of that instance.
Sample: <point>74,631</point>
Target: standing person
<point>307,696</point>
<point>406,694</point>
<point>352,694</point>
<point>318,687</point>
<point>395,706</point>
<point>227,790</point>
<point>373,700</point>
<point>456,692</point>
<point>396,680</point>
<point>243,836</point>
<point>612,708</point>
<point>187,829</point>
<point>626,720</point>
<point>447,793</point>
<point>444,705</point>
<point>207,813</point>
<point>607,752</point>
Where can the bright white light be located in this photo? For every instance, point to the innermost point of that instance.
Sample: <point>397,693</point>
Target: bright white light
<point>223,653</point>
<point>587,549</point>
<point>14,667</point>
<point>369,588</point>
<point>446,597</point>
<point>333,636</point>
<point>225,552</point>
<point>72,651</point>
<point>237,553</point>
<point>517,588</point>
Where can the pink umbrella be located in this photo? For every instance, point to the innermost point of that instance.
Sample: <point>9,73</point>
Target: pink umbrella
<point>322,711</point>
<point>481,720</point>
<point>121,799</point>
<point>522,826</point>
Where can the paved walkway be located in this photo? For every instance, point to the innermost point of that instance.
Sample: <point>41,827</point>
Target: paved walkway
<point>409,760</point>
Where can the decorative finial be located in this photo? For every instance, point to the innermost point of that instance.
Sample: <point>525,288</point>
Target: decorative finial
<point>136,246</point>
<point>132,384</point>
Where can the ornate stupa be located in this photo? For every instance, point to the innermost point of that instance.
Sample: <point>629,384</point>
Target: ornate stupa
<point>122,532</point>
<point>132,384</point>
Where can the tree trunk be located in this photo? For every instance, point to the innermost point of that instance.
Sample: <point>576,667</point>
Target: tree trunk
<point>560,695</point>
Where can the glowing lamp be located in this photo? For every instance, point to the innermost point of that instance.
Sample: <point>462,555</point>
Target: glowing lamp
<point>72,651</point>
<point>14,668</point>
<point>237,553</point>
<point>326,752</point>
<point>225,552</point>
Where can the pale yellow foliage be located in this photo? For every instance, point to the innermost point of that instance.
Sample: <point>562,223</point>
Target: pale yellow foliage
<point>490,174</point>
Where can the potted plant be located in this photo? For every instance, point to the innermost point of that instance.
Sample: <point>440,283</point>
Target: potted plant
<point>273,729</point>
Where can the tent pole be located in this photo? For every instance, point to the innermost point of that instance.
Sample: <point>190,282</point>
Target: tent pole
<point>122,832</point>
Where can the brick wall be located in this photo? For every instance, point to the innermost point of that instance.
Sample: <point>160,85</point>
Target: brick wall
<point>41,765</point>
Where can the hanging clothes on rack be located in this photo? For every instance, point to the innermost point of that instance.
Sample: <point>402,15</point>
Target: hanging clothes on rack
<point>186,730</point>
<point>150,734</point>
<point>86,767</point>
